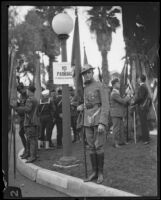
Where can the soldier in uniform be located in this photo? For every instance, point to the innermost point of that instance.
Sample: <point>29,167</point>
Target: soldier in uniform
<point>117,106</point>
<point>30,124</point>
<point>95,121</point>
<point>23,96</point>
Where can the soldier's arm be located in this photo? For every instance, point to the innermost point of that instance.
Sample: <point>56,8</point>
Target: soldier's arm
<point>119,99</point>
<point>104,105</point>
<point>27,108</point>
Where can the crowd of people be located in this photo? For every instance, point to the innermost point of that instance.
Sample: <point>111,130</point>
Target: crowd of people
<point>38,119</point>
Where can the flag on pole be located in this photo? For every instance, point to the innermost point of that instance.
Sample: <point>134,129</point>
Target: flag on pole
<point>12,86</point>
<point>37,78</point>
<point>76,60</point>
<point>123,79</point>
<point>85,57</point>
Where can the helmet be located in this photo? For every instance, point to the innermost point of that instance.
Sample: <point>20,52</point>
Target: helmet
<point>86,67</point>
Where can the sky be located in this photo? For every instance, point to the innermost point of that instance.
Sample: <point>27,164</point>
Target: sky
<point>89,41</point>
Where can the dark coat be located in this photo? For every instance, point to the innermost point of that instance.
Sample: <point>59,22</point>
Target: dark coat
<point>30,110</point>
<point>141,95</point>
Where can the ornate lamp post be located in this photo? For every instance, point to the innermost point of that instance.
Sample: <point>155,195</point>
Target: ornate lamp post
<point>62,25</point>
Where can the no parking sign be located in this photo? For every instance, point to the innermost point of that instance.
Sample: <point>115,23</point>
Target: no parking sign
<point>62,73</point>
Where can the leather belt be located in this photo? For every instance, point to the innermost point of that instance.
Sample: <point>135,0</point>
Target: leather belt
<point>90,106</point>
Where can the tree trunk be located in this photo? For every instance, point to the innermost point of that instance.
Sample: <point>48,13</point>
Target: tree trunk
<point>105,73</point>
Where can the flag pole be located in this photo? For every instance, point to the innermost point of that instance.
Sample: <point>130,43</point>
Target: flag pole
<point>134,127</point>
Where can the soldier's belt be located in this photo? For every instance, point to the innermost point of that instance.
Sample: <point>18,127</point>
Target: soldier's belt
<point>90,106</point>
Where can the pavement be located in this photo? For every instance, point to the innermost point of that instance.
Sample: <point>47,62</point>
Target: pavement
<point>28,187</point>
<point>69,185</point>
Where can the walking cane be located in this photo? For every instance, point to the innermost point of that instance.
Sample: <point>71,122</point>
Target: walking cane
<point>134,128</point>
<point>127,136</point>
<point>84,145</point>
<point>14,142</point>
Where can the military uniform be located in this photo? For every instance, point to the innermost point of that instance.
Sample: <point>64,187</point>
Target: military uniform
<point>95,113</point>
<point>30,123</point>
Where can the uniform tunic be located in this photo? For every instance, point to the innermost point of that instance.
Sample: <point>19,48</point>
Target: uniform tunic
<point>95,113</point>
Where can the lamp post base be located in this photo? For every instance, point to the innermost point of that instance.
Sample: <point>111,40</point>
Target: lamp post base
<point>67,162</point>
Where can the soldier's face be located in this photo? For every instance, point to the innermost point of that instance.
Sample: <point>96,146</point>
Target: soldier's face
<point>88,75</point>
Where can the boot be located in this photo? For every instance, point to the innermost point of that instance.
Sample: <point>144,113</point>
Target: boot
<point>51,145</point>
<point>27,150</point>
<point>93,158</point>
<point>33,150</point>
<point>100,160</point>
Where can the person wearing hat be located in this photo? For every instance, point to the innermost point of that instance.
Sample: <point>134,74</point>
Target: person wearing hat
<point>30,124</point>
<point>21,102</point>
<point>95,121</point>
<point>46,112</point>
<point>117,106</point>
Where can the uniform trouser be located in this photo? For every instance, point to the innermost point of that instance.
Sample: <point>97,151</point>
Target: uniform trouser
<point>31,141</point>
<point>95,140</point>
<point>74,126</point>
<point>59,127</point>
<point>22,136</point>
<point>144,125</point>
<point>118,130</point>
<point>46,124</point>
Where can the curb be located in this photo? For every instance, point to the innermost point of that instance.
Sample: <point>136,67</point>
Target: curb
<point>69,185</point>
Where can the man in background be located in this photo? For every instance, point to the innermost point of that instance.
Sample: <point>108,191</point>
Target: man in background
<point>117,106</point>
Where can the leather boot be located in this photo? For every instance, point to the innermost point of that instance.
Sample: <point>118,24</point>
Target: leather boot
<point>100,160</point>
<point>27,150</point>
<point>33,150</point>
<point>93,158</point>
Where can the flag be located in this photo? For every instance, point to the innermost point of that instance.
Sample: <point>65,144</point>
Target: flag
<point>37,78</point>
<point>99,75</point>
<point>76,60</point>
<point>85,57</point>
<point>12,86</point>
<point>123,79</point>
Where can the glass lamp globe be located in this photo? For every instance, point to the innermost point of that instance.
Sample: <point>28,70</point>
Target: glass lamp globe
<point>62,24</point>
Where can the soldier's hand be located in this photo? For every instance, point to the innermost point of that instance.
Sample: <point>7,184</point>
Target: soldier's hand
<point>101,128</point>
<point>80,107</point>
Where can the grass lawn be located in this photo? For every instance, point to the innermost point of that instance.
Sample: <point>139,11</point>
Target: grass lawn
<point>132,168</point>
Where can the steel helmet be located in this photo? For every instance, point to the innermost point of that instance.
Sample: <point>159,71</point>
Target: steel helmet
<point>86,67</point>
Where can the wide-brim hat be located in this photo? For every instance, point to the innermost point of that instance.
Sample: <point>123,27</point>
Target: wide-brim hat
<point>45,92</point>
<point>85,68</point>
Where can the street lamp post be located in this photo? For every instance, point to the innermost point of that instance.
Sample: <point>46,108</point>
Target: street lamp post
<point>62,25</point>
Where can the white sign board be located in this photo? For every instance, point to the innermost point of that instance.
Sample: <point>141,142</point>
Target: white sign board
<point>62,73</point>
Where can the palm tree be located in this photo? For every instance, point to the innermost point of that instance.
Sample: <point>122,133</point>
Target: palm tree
<point>103,22</point>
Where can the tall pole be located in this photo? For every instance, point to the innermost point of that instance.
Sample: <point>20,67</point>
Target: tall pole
<point>67,141</point>
<point>67,159</point>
